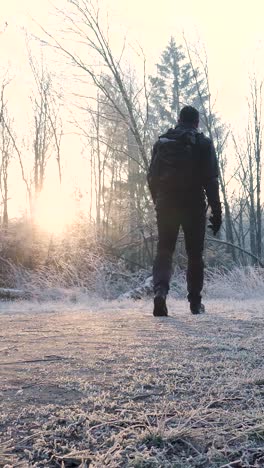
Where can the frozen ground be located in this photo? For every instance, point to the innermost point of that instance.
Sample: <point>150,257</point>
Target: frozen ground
<point>109,385</point>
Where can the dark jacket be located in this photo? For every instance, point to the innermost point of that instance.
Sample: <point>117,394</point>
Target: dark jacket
<point>209,167</point>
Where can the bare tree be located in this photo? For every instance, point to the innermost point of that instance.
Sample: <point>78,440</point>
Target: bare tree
<point>255,109</point>
<point>249,156</point>
<point>86,27</point>
<point>115,160</point>
<point>47,134</point>
<point>6,148</point>
<point>47,131</point>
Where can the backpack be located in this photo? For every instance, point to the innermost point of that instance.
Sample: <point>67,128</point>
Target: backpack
<point>176,165</point>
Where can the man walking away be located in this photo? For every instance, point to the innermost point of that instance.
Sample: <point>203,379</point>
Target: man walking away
<point>183,172</point>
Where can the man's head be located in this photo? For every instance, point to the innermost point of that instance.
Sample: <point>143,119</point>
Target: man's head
<point>189,115</point>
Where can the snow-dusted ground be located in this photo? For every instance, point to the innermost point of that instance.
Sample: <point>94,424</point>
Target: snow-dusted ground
<point>97,384</point>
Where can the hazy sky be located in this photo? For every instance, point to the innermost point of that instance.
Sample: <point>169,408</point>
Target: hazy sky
<point>231,30</point>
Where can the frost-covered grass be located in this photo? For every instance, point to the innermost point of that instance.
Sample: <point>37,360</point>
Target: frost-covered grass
<point>103,383</point>
<point>239,283</point>
<point>113,282</point>
<point>77,265</point>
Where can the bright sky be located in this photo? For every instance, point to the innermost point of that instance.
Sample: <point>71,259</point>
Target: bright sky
<point>231,30</point>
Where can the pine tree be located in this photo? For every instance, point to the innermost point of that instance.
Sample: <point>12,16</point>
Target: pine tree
<point>173,87</point>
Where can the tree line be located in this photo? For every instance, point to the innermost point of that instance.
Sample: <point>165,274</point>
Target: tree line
<point>118,126</point>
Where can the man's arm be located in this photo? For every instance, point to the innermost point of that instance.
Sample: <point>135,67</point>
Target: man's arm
<point>211,185</point>
<point>210,175</point>
<point>151,175</point>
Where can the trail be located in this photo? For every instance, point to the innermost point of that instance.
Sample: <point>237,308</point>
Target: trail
<point>115,386</point>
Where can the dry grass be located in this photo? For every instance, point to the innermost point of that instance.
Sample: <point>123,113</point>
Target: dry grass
<point>115,387</point>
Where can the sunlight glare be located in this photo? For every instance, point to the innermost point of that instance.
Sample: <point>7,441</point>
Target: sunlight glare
<point>54,211</point>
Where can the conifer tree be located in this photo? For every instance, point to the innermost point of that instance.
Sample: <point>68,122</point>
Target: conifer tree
<point>173,86</point>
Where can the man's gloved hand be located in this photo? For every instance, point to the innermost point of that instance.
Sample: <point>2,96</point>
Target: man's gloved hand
<point>215,220</point>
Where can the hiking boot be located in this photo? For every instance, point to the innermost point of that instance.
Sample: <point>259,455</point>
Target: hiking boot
<point>160,308</point>
<point>197,308</point>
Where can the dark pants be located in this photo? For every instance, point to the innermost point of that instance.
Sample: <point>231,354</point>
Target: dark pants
<point>191,216</point>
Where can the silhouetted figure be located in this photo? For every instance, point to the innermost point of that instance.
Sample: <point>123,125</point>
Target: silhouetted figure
<point>182,173</point>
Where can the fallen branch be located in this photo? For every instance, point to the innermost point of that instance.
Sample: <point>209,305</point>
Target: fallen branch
<point>250,254</point>
<point>13,294</point>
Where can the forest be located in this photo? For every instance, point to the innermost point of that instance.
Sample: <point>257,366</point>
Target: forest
<point>105,236</point>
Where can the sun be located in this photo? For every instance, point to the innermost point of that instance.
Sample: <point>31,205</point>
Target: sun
<point>54,211</point>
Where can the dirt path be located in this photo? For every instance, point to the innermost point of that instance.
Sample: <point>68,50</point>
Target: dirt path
<point>117,387</point>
